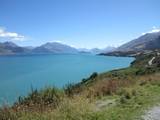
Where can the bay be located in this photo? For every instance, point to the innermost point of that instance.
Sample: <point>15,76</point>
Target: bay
<point>20,73</point>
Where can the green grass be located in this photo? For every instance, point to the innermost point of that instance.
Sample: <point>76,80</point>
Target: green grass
<point>134,107</point>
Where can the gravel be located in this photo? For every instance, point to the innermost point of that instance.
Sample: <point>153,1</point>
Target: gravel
<point>152,114</point>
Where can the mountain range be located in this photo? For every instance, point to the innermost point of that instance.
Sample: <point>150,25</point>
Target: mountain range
<point>149,41</point>
<point>145,43</point>
<point>9,48</point>
<point>54,47</point>
<point>97,50</point>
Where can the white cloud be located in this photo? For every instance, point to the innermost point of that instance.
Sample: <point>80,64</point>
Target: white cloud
<point>154,30</point>
<point>10,35</point>
<point>57,41</point>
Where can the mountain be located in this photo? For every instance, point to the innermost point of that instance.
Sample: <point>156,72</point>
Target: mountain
<point>29,47</point>
<point>143,44</point>
<point>97,50</point>
<point>91,51</point>
<point>149,41</point>
<point>54,47</point>
<point>109,49</point>
<point>84,50</point>
<point>7,48</point>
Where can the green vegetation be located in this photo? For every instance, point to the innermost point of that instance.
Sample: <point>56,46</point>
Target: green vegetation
<point>122,94</point>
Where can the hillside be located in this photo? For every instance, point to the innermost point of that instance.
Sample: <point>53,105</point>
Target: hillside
<point>54,47</point>
<point>8,48</point>
<point>145,43</point>
<point>149,41</point>
<point>97,50</point>
<point>123,94</point>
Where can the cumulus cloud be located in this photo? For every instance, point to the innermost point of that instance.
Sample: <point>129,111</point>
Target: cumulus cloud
<point>154,30</point>
<point>10,35</point>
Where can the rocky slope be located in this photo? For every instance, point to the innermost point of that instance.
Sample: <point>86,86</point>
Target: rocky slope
<point>54,47</point>
<point>143,44</point>
<point>8,48</point>
<point>149,41</point>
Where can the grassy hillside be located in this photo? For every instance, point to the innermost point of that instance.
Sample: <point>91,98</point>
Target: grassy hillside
<point>122,94</point>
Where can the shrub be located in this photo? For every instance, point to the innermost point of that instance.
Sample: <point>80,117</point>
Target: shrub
<point>84,80</point>
<point>123,100</point>
<point>50,97</point>
<point>127,95</point>
<point>94,75</point>
<point>7,114</point>
<point>134,92</point>
<point>69,89</point>
<point>143,82</point>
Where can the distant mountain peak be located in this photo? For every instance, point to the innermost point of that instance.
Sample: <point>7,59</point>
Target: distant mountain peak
<point>55,47</point>
<point>154,30</point>
<point>97,50</point>
<point>8,47</point>
<point>11,44</point>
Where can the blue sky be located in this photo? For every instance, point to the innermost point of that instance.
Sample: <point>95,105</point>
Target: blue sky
<point>81,23</point>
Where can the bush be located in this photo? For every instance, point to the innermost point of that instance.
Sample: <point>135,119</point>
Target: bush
<point>127,93</point>
<point>84,80</point>
<point>94,75</point>
<point>7,114</point>
<point>123,100</point>
<point>50,96</point>
<point>69,89</point>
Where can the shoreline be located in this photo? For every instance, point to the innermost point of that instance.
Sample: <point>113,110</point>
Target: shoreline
<point>109,93</point>
<point>79,81</point>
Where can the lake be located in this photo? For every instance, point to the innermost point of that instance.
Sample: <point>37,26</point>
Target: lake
<point>19,73</point>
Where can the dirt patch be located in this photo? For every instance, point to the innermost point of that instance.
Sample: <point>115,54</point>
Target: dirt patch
<point>152,114</point>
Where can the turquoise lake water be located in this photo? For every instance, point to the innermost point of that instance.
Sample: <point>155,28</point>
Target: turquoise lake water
<point>19,73</point>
